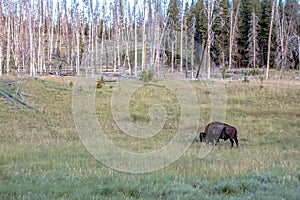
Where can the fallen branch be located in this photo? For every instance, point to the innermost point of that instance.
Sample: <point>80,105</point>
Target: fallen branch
<point>9,99</point>
<point>12,97</point>
<point>19,93</point>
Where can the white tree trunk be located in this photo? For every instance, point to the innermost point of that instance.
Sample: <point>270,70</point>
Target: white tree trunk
<point>1,32</point>
<point>102,45</point>
<point>233,25</point>
<point>144,36</point>
<point>181,40</point>
<point>0,58</point>
<point>192,45</point>
<point>210,20</point>
<point>8,39</point>
<point>135,40</point>
<point>254,40</point>
<point>270,39</point>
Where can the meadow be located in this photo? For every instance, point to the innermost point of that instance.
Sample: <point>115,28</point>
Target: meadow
<point>42,156</point>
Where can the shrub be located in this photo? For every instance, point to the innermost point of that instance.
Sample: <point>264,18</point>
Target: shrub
<point>146,76</point>
<point>100,82</point>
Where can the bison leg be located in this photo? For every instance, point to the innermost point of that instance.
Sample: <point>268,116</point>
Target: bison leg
<point>236,142</point>
<point>231,140</point>
<point>202,136</point>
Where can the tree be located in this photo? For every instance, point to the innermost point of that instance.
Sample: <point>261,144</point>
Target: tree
<point>1,36</point>
<point>31,17</point>
<point>253,49</point>
<point>292,8</point>
<point>270,38</point>
<point>173,12</point>
<point>264,23</point>
<point>211,16</point>
<point>8,36</point>
<point>233,29</point>
<point>192,43</point>
<point>221,29</point>
<point>285,29</point>
<point>135,38</point>
<point>244,27</point>
<point>200,22</point>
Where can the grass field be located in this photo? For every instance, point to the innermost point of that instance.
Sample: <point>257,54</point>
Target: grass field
<point>42,157</point>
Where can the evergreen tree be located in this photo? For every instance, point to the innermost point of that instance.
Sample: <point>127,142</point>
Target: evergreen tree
<point>221,29</point>
<point>201,22</point>
<point>264,23</point>
<point>244,27</point>
<point>173,12</point>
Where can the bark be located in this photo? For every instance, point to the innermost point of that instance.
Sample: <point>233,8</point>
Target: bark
<point>31,39</point>
<point>1,39</point>
<point>8,38</point>
<point>135,39</point>
<point>233,27</point>
<point>192,46</point>
<point>144,36</point>
<point>270,39</point>
<point>181,39</point>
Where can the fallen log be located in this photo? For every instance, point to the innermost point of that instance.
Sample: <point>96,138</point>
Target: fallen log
<point>19,93</point>
<point>13,97</point>
<point>9,99</point>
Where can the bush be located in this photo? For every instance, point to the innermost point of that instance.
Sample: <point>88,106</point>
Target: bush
<point>100,82</point>
<point>146,76</point>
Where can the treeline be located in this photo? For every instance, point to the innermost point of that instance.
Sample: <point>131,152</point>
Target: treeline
<point>37,36</point>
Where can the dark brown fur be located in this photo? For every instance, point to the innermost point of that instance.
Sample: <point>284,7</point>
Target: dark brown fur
<point>219,130</point>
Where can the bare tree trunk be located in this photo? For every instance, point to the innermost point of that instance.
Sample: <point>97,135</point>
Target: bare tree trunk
<point>233,25</point>
<point>16,31</point>
<point>31,38</point>
<point>126,38</point>
<point>270,39</point>
<point>96,35</point>
<point>192,44</point>
<point>172,56</point>
<point>299,53</point>
<point>0,57</point>
<point>144,36</point>
<point>135,39</point>
<point>210,19</point>
<point>78,30</point>
<point>40,24</point>
<point>284,33</point>
<point>51,32</point>
<point>1,39</point>
<point>8,38</point>
<point>103,38</point>
<point>181,39</point>
<point>254,39</point>
<point>68,37</point>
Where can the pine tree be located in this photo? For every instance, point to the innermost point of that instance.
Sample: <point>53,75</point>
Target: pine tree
<point>264,23</point>
<point>221,29</point>
<point>201,22</point>
<point>244,27</point>
<point>173,12</point>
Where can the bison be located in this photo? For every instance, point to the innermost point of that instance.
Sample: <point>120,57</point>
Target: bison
<point>219,130</point>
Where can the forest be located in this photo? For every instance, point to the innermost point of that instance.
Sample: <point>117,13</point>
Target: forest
<point>161,36</point>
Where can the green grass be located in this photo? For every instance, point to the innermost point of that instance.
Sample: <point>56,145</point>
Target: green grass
<point>42,157</point>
